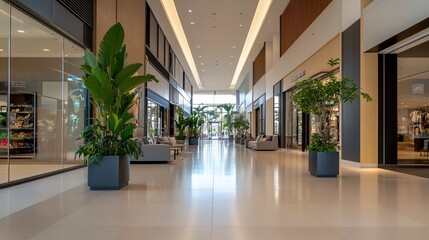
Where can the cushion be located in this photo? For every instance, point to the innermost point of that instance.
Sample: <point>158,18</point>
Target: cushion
<point>270,138</point>
<point>259,138</point>
<point>172,140</point>
<point>264,139</point>
<point>150,141</point>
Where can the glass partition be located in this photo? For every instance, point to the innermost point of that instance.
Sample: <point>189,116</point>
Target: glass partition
<point>42,99</point>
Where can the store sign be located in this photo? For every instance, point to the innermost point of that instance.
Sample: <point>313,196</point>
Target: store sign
<point>18,84</point>
<point>298,76</point>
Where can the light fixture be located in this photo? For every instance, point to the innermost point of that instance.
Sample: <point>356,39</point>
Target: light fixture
<point>198,46</point>
<point>1,49</point>
<point>202,64</point>
<point>255,27</point>
<point>20,31</point>
<point>200,56</point>
<point>234,46</point>
<point>232,56</point>
<point>46,50</point>
<point>203,70</point>
<point>192,23</point>
<point>173,17</point>
<point>241,25</point>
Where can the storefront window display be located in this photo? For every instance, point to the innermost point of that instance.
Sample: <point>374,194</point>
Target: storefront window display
<point>42,100</point>
<point>157,116</point>
<point>413,104</point>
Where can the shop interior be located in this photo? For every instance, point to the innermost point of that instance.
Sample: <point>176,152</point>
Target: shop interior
<point>413,103</point>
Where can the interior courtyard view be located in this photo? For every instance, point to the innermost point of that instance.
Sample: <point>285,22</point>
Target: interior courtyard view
<point>214,120</point>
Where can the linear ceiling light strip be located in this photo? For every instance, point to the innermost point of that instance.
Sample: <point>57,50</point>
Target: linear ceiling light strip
<point>255,27</point>
<point>173,17</point>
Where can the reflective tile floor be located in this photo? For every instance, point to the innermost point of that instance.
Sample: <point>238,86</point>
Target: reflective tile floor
<point>223,192</point>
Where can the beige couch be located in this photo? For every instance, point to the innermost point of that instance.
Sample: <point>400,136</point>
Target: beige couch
<point>270,143</point>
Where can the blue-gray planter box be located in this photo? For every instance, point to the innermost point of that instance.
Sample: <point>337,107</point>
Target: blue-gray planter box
<point>113,173</point>
<point>193,141</point>
<point>324,164</point>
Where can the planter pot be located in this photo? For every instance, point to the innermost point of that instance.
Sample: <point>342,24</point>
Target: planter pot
<point>193,141</point>
<point>231,138</point>
<point>324,164</point>
<point>242,141</point>
<point>237,139</point>
<point>113,173</point>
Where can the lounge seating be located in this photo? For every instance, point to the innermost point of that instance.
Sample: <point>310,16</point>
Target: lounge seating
<point>172,142</point>
<point>154,153</point>
<point>269,143</point>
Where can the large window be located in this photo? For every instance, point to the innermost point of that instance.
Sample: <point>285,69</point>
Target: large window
<point>42,100</point>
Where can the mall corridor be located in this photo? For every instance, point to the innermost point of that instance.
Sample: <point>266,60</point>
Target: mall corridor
<point>222,192</point>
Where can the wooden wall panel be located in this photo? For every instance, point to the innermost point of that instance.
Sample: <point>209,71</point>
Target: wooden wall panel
<point>259,66</point>
<point>296,18</point>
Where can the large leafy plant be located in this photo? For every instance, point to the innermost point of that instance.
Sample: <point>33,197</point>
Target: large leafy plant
<point>241,124</point>
<point>194,124</point>
<point>113,85</point>
<point>319,98</point>
<point>228,118</point>
<point>181,124</point>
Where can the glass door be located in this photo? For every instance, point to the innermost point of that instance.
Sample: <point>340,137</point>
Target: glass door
<point>215,130</point>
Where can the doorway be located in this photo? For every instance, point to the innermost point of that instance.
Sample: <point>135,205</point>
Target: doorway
<point>215,130</point>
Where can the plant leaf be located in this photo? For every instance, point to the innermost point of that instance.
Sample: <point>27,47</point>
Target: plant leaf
<point>126,73</point>
<point>110,45</point>
<point>134,82</point>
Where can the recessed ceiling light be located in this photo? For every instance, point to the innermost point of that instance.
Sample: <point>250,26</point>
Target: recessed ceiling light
<point>269,20</point>
<point>230,63</point>
<point>234,46</point>
<point>198,46</point>
<point>46,50</point>
<point>20,31</point>
<point>192,23</point>
<point>232,56</point>
<point>66,55</point>
<point>202,64</point>
<point>190,10</point>
<point>203,70</point>
<point>200,56</point>
<point>241,25</point>
<point>1,49</point>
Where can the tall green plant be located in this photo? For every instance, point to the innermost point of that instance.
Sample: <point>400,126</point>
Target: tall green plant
<point>241,124</point>
<point>181,124</point>
<point>113,85</point>
<point>319,99</point>
<point>228,118</point>
<point>194,123</point>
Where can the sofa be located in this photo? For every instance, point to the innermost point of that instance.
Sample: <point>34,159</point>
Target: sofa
<point>172,142</point>
<point>269,143</point>
<point>154,153</point>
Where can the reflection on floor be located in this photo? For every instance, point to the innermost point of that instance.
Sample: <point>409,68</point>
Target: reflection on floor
<point>222,192</point>
<point>24,168</point>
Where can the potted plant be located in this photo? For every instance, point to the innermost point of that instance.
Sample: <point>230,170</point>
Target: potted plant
<point>319,99</point>
<point>181,124</point>
<point>113,85</point>
<point>228,119</point>
<point>194,124</point>
<point>241,125</point>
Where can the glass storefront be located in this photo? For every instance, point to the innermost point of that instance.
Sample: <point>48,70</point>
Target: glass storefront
<point>157,120</point>
<point>413,104</point>
<point>42,99</point>
<point>293,124</point>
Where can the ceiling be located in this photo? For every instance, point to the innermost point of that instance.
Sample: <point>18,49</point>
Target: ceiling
<point>216,32</point>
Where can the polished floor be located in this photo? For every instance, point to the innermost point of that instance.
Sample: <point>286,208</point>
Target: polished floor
<point>222,192</point>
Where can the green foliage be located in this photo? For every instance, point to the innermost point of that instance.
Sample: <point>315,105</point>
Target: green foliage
<point>181,124</point>
<point>319,98</point>
<point>228,118</point>
<point>111,81</point>
<point>194,124</point>
<point>241,124</point>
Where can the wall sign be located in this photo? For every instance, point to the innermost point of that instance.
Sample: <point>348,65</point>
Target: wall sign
<point>298,76</point>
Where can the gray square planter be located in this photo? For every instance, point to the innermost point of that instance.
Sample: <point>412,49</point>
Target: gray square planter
<point>113,173</point>
<point>193,141</point>
<point>324,164</point>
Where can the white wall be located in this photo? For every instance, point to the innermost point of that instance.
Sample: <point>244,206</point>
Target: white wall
<point>259,88</point>
<point>326,26</point>
<point>383,19</point>
<point>350,12</point>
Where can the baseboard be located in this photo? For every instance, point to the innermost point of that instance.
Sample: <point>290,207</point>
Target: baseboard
<point>359,165</point>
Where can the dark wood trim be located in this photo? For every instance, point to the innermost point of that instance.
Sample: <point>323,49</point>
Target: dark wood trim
<point>259,65</point>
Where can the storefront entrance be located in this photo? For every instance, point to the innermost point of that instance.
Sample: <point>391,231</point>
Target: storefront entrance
<point>215,130</point>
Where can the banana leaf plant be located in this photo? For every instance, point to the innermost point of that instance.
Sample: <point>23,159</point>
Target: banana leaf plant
<point>228,118</point>
<point>113,85</point>
<point>181,124</point>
